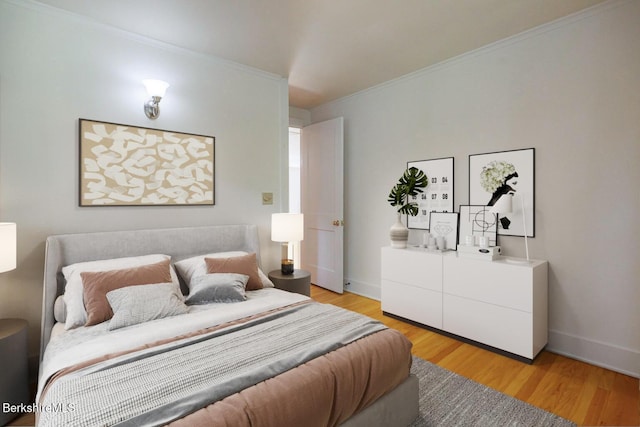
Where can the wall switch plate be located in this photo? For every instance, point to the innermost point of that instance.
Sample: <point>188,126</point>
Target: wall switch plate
<point>267,198</point>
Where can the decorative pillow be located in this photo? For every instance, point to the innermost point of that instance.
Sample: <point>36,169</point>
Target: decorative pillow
<point>73,292</point>
<point>195,266</point>
<point>220,287</point>
<point>97,284</point>
<point>243,264</point>
<point>136,304</point>
<point>60,310</point>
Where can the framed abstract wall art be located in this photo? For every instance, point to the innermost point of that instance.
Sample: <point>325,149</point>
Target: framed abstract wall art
<point>477,220</point>
<point>438,196</point>
<point>506,174</point>
<point>122,165</point>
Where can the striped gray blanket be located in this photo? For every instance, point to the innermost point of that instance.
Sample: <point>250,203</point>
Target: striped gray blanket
<point>161,384</point>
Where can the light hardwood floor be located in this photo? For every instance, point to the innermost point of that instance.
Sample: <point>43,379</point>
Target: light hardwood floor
<point>583,393</point>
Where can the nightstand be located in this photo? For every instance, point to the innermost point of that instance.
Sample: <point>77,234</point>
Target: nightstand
<point>14,381</point>
<point>299,281</point>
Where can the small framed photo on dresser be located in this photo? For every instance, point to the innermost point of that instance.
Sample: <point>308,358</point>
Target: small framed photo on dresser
<point>444,225</point>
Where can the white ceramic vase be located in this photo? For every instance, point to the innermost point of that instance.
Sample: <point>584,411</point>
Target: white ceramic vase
<point>399,234</point>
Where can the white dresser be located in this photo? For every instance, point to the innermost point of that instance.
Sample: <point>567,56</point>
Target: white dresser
<point>499,304</point>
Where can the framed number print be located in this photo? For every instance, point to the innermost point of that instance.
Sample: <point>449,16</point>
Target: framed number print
<point>506,174</point>
<point>438,196</point>
<point>478,220</point>
<point>122,165</point>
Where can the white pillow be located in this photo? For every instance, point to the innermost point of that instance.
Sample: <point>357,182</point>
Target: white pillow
<point>60,310</point>
<point>141,303</point>
<point>73,291</point>
<point>195,266</point>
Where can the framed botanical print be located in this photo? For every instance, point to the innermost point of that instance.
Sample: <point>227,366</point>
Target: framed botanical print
<point>506,174</point>
<point>438,196</point>
<point>478,220</point>
<point>122,165</point>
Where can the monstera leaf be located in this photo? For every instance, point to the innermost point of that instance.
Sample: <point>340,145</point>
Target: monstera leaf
<point>411,183</point>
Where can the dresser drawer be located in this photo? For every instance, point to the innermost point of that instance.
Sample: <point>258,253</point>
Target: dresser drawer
<point>494,282</point>
<point>500,327</point>
<point>413,303</point>
<point>414,267</point>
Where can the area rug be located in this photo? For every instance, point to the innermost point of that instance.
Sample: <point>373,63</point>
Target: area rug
<point>449,399</point>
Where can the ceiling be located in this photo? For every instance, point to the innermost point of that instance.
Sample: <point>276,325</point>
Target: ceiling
<point>327,48</point>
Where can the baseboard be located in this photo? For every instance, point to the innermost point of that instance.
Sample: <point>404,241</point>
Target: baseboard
<point>363,289</point>
<point>605,355</point>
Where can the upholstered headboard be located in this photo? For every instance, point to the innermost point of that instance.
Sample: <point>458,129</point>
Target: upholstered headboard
<point>179,243</point>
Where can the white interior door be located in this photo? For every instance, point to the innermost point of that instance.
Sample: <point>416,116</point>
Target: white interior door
<point>321,191</point>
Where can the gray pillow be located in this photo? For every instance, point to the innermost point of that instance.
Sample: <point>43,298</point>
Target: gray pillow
<point>137,304</point>
<point>195,266</point>
<point>217,287</point>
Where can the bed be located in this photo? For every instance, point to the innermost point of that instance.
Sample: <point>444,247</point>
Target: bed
<point>258,356</point>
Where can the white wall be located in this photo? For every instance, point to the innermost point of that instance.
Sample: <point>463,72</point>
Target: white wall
<point>56,68</point>
<point>299,117</point>
<point>570,89</point>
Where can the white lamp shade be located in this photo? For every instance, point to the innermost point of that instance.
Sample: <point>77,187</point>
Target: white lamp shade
<point>155,87</point>
<point>504,205</point>
<point>7,246</point>
<point>287,227</point>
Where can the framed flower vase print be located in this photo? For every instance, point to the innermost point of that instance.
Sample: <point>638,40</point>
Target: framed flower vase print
<point>478,220</point>
<point>445,225</point>
<point>438,196</point>
<point>122,165</point>
<point>506,176</point>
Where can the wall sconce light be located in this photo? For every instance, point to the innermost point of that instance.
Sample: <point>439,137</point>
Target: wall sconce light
<point>156,90</point>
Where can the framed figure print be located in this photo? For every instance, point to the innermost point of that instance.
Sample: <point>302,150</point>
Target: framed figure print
<point>506,174</point>
<point>438,196</point>
<point>478,220</point>
<point>122,165</point>
<point>445,224</point>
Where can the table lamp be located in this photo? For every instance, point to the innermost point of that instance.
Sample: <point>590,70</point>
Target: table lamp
<point>287,228</point>
<point>7,246</point>
<point>503,206</point>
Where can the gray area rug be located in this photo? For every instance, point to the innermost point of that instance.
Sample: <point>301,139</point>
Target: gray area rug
<point>449,399</point>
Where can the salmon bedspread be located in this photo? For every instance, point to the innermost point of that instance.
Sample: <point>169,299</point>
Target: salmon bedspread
<point>323,392</point>
<point>304,363</point>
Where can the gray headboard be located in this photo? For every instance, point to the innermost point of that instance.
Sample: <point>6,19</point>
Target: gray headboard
<point>180,243</point>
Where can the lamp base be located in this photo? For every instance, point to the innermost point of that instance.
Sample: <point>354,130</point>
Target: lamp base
<point>286,266</point>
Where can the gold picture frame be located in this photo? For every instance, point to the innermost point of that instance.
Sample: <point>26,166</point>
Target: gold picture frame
<point>123,165</point>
